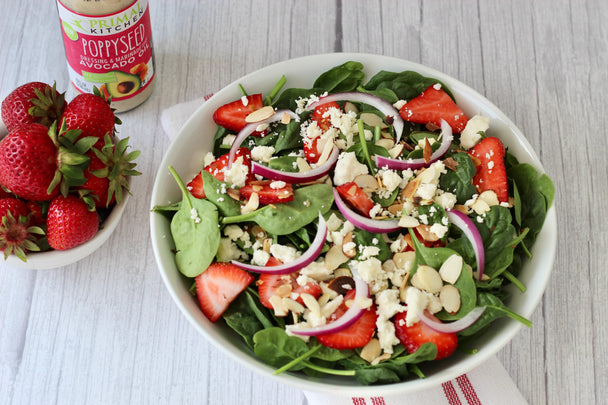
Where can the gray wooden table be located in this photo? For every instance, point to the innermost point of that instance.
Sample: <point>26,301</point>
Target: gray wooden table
<point>104,330</point>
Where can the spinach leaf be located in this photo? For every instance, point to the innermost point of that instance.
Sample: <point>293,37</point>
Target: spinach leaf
<point>392,370</point>
<point>167,210</point>
<point>288,137</point>
<point>343,78</point>
<point>495,309</point>
<point>288,98</point>
<point>213,191</point>
<point>406,85</point>
<point>276,348</point>
<point>246,318</point>
<point>496,231</point>
<point>284,163</point>
<point>195,231</point>
<point>286,218</point>
<point>459,181</point>
<point>363,239</point>
<point>536,194</point>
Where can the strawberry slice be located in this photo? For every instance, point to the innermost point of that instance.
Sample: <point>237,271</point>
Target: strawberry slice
<point>218,286</point>
<point>356,335</point>
<point>489,158</point>
<point>356,197</point>
<point>232,115</point>
<point>412,337</point>
<point>311,150</point>
<point>432,106</point>
<point>323,120</point>
<point>269,284</point>
<point>216,169</point>
<point>267,192</point>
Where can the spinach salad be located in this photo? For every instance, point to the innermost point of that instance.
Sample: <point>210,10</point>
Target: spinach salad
<point>357,228</point>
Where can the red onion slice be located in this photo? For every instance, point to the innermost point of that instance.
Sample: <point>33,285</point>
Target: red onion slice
<point>452,327</point>
<point>469,229</point>
<point>381,104</point>
<point>297,177</point>
<point>349,317</point>
<point>251,128</point>
<point>367,224</point>
<point>304,260</point>
<point>404,164</point>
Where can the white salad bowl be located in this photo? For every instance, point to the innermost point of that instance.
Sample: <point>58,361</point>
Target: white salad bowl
<point>195,139</point>
<point>58,258</point>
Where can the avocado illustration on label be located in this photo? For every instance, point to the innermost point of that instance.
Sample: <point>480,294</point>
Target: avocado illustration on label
<point>125,84</point>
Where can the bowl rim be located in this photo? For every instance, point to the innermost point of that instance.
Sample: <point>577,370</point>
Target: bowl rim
<point>510,327</point>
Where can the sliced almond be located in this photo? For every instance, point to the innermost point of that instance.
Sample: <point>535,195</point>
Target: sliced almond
<point>342,271</point>
<point>450,298</point>
<point>233,193</point>
<point>367,182</point>
<point>293,306</point>
<point>266,245</point>
<point>410,189</point>
<point>350,107</point>
<point>395,208</point>
<point>427,279</point>
<point>373,120</point>
<point>285,119</point>
<point>404,260</point>
<point>403,287</point>
<point>490,197</point>
<point>334,258</point>
<point>303,165</point>
<point>279,307</point>
<point>252,204</point>
<point>426,234</point>
<point>386,143</point>
<point>461,208</point>
<point>396,150</point>
<point>258,232</point>
<point>260,114</point>
<point>407,221</point>
<point>427,150</point>
<point>371,350</point>
<point>450,163</point>
<point>284,290</point>
<point>450,269</point>
<point>349,248</point>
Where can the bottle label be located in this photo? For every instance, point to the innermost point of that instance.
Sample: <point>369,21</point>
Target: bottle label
<point>112,52</point>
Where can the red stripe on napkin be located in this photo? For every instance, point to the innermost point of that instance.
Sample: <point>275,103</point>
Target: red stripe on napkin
<point>358,401</point>
<point>450,393</point>
<point>207,96</point>
<point>467,389</point>
<point>378,401</point>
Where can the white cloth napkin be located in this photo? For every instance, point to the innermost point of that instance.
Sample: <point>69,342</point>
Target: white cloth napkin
<point>488,384</point>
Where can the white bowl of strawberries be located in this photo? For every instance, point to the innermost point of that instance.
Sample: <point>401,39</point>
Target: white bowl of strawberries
<point>64,176</point>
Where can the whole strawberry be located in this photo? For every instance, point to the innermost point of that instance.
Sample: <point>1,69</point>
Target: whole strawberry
<point>28,161</point>
<point>17,236</point>
<point>69,222</point>
<point>33,102</point>
<point>91,114</point>
<point>36,165</point>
